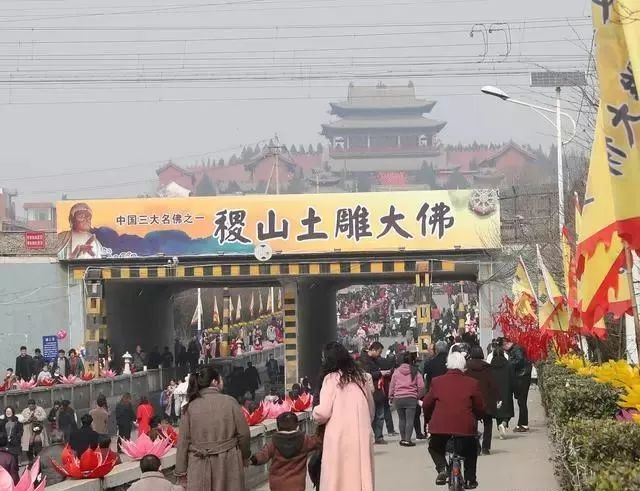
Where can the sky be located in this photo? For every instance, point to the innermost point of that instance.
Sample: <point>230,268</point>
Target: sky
<point>95,96</point>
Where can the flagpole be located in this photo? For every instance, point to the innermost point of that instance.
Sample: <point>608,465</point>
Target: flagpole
<point>199,312</point>
<point>634,300</point>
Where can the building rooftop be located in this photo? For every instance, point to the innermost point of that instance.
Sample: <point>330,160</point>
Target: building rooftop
<point>412,122</point>
<point>383,96</point>
<point>12,244</point>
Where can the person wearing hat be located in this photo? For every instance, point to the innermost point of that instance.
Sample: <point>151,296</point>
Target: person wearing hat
<point>80,242</point>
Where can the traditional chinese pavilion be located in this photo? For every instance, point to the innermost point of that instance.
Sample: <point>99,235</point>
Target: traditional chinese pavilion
<point>382,128</point>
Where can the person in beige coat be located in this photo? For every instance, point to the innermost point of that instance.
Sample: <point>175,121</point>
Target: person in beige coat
<point>152,479</point>
<point>214,438</point>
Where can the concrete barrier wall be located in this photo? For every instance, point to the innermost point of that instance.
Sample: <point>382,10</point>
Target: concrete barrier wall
<point>128,472</point>
<point>150,383</point>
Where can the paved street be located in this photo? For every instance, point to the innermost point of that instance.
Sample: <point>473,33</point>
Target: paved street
<point>519,463</point>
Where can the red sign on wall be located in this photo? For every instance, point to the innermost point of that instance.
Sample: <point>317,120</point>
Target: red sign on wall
<point>34,240</point>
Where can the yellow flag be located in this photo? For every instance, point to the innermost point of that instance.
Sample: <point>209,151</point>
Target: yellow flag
<point>550,290</point>
<point>611,202</point>
<point>523,293</point>
<point>601,287</point>
<point>216,313</point>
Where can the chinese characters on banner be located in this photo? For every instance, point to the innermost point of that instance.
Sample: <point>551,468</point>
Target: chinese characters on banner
<point>615,160</point>
<point>293,224</point>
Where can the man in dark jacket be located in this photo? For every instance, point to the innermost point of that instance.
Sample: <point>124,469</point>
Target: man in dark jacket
<point>370,363</point>
<point>84,437</point>
<point>61,362</point>
<point>38,361</point>
<point>480,370</point>
<point>522,368</point>
<point>252,379</point>
<point>436,366</point>
<point>452,408</point>
<point>24,365</point>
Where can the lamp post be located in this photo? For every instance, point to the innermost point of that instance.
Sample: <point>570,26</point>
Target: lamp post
<point>541,110</point>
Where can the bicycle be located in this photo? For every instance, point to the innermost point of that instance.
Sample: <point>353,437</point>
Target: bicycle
<point>454,467</point>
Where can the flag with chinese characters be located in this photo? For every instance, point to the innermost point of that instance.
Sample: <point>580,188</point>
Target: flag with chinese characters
<point>261,305</point>
<point>552,314</point>
<point>252,305</point>
<point>611,204</point>
<point>523,293</point>
<point>279,298</point>
<point>269,301</point>
<point>231,309</point>
<point>216,312</point>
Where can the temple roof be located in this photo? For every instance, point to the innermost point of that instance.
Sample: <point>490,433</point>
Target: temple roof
<point>382,97</point>
<point>415,122</point>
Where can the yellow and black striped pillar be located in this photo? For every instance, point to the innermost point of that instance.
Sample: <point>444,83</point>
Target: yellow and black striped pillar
<point>95,328</point>
<point>290,333</point>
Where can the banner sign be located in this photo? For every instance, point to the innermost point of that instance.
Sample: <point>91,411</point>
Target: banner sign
<point>49,348</point>
<point>289,224</point>
<point>35,240</point>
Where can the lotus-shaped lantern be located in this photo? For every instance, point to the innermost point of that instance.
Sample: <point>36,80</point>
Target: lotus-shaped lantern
<point>91,465</point>
<point>87,377</point>
<point>70,380</point>
<point>170,434</point>
<point>109,374</point>
<point>274,409</point>
<point>47,382</point>
<point>26,384</point>
<point>302,403</point>
<point>26,482</point>
<point>255,417</point>
<point>145,446</point>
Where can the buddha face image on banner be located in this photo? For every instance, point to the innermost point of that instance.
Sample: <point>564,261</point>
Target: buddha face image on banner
<point>80,242</point>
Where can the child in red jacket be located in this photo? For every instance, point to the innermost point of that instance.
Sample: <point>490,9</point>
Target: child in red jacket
<point>288,452</point>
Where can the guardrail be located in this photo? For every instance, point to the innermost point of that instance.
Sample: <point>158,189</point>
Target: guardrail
<point>82,394</point>
<point>129,472</point>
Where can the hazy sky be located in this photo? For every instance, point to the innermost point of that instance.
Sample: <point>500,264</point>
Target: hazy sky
<point>94,96</point>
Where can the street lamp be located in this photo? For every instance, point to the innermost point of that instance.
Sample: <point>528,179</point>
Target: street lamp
<point>541,110</point>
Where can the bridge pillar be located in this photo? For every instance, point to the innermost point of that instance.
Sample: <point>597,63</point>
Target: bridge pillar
<point>317,324</point>
<point>290,325</point>
<point>95,326</point>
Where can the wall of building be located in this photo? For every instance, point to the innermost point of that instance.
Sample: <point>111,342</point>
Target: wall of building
<point>34,302</point>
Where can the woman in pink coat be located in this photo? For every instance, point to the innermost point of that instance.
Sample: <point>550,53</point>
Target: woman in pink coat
<point>346,408</point>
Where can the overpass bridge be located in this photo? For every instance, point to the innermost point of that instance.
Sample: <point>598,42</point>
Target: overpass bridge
<point>309,245</point>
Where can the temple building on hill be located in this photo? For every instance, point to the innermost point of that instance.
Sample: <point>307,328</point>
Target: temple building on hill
<point>382,129</point>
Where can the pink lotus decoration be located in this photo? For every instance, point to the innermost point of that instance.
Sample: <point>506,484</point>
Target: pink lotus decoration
<point>109,374</point>
<point>144,446</point>
<point>26,482</point>
<point>302,403</point>
<point>47,382</point>
<point>256,417</point>
<point>61,334</point>
<point>91,465</point>
<point>70,380</point>
<point>272,409</point>
<point>87,377</point>
<point>26,384</point>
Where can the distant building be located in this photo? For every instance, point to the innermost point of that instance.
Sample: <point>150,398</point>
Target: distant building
<point>382,129</point>
<point>40,216</point>
<point>7,209</point>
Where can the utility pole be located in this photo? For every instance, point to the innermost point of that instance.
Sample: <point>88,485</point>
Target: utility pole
<point>275,150</point>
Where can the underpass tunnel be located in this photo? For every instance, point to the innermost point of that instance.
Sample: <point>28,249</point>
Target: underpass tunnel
<point>139,313</point>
